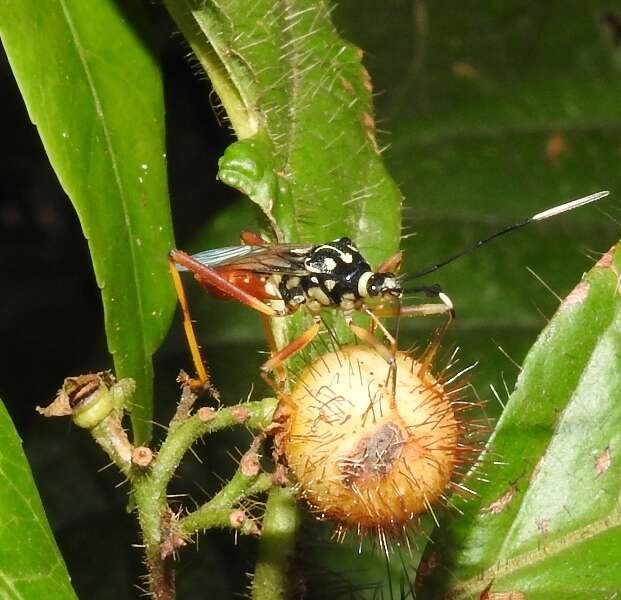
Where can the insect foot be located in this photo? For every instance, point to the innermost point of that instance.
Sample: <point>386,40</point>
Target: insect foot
<point>368,457</point>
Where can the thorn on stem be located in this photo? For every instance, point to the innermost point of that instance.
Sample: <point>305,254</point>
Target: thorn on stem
<point>237,518</point>
<point>206,414</point>
<point>142,457</point>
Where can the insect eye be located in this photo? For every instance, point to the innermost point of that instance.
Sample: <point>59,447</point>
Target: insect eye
<point>373,289</point>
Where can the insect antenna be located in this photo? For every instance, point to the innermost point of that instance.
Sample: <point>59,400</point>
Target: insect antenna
<point>433,291</point>
<point>541,216</point>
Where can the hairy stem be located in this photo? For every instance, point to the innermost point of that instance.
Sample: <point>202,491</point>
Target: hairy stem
<point>150,497</point>
<point>182,434</point>
<point>217,512</point>
<point>150,486</point>
<point>277,545</point>
<point>112,438</point>
<point>191,22</point>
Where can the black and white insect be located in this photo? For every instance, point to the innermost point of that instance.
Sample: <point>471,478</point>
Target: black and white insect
<point>332,275</point>
<point>278,279</point>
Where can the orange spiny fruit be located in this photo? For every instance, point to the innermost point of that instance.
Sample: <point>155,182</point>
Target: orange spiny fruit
<point>366,449</point>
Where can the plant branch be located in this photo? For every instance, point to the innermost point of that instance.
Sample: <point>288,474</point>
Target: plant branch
<point>194,24</point>
<point>112,438</point>
<point>218,511</point>
<point>150,486</point>
<point>277,544</point>
<point>182,434</point>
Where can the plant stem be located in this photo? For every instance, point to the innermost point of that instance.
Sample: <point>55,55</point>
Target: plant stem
<point>277,544</point>
<point>150,486</point>
<point>183,434</point>
<point>112,438</point>
<point>217,512</point>
<point>152,507</point>
<point>192,22</point>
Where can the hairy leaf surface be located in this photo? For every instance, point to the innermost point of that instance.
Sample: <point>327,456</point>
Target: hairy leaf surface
<point>299,98</point>
<point>546,522</point>
<point>309,155</point>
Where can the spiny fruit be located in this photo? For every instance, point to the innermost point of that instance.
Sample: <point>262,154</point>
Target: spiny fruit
<point>368,448</point>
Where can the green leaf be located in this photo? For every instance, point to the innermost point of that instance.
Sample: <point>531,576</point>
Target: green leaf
<point>31,565</point>
<point>547,524</point>
<point>92,88</point>
<point>301,93</point>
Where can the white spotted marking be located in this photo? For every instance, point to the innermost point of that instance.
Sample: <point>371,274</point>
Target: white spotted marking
<point>314,306</point>
<point>446,300</point>
<point>346,257</point>
<point>279,306</point>
<point>329,264</point>
<point>390,283</point>
<point>316,293</point>
<point>271,288</point>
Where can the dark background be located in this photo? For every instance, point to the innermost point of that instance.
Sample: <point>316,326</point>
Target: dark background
<point>471,132</point>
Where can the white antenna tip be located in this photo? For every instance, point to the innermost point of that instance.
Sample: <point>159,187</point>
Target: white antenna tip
<point>557,210</point>
<point>446,301</point>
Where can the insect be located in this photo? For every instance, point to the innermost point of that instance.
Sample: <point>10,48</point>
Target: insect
<point>277,279</point>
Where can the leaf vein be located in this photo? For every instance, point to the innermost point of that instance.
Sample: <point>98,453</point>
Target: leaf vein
<point>117,178</point>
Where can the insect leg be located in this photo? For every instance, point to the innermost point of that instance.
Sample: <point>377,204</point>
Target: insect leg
<point>391,264</point>
<point>388,354</point>
<point>271,342</point>
<point>424,310</point>
<point>197,359</point>
<point>433,346</point>
<point>287,352</point>
<point>419,310</point>
<point>210,277</point>
<point>368,338</point>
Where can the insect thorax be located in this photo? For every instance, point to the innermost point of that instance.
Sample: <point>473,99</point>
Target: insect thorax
<point>333,273</point>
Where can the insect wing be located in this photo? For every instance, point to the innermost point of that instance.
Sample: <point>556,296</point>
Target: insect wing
<point>222,256</point>
<point>277,258</point>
